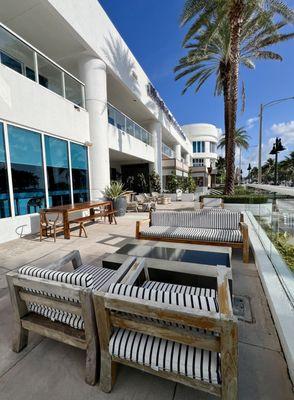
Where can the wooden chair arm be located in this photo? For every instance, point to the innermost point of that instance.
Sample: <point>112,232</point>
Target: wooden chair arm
<point>74,257</point>
<point>244,229</point>
<point>139,225</point>
<point>201,205</point>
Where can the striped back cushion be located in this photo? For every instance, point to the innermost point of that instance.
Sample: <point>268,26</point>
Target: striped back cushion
<point>206,218</point>
<point>173,298</point>
<point>84,280</point>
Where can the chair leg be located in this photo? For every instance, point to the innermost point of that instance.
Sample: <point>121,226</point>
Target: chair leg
<point>82,229</point>
<point>92,362</point>
<point>19,338</point>
<point>107,374</point>
<point>114,219</point>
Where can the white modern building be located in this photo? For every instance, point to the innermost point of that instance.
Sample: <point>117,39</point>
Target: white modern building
<point>76,111</point>
<point>204,139</point>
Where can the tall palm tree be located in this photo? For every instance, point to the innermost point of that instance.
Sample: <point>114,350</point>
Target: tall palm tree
<point>241,139</point>
<point>234,12</point>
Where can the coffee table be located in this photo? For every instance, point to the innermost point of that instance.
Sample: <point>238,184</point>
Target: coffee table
<point>175,262</point>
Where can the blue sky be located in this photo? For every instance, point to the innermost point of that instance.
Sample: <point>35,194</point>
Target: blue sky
<point>151,30</point>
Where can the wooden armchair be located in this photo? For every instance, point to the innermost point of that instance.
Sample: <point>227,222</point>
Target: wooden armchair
<point>185,338</point>
<point>59,305</point>
<point>50,224</point>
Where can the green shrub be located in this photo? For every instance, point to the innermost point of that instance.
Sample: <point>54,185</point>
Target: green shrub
<point>240,199</point>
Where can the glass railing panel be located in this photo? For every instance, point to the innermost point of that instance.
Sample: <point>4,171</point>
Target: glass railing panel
<point>120,121</point>
<point>73,90</point>
<point>16,55</point>
<point>50,76</point>
<point>111,115</point>
<point>130,127</point>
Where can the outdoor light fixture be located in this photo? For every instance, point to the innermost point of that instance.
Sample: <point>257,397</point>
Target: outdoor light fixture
<point>249,170</point>
<point>277,147</point>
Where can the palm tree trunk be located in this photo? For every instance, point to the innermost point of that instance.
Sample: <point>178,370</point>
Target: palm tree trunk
<point>226,91</point>
<point>236,20</point>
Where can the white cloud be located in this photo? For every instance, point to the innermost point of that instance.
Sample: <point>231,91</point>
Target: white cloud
<point>285,131</point>
<point>251,122</point>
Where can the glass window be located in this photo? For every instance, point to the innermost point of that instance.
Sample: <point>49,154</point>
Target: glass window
<point>57,171</point>
<point>212,147</point>
<point>73,90</point>
<point>198,162</point>
<point>198,147</point>
<point>14,53</point>
<point>50,76</point>
<point>80,173</point>
<point>27,170</point>
<point>4,190</point>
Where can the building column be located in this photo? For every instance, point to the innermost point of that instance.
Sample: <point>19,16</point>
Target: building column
<point>177,150</point>
<point>188,159</point>
<point>155,129</point>
<point>93,74</point>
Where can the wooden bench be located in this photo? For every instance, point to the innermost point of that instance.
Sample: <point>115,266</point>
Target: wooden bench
<point>92,217</point>
<point>69,314</point>
<point>207,226</point>
<point>175,325</point>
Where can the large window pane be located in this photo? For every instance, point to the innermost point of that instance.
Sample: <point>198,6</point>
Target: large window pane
<point>27,170</point>
<point>15,54</point>
<point>80,174</point>
<point>73,90</point>
<point>50,76</point>
<point>57,171</point>
<point>4,191</point>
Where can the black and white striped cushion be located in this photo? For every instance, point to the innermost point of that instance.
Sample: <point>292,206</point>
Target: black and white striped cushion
<point>209,235</point>
<point>161,354</point>
<point>100,275</point>
<point>173,298</point>
<point>165,355</point>
<point>87,276</point>
<point>170,287</point>
<point>206,218</point>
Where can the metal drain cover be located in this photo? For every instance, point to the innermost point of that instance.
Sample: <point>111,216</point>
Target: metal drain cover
<point>242,308</point>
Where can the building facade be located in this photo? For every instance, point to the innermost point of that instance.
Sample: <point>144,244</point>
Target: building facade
<point>76,111</point>
<point>204,139</point>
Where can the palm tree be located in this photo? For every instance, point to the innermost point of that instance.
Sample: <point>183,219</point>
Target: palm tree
<point>286,167</point>
<point>241,139</point>
<point>208,16</point>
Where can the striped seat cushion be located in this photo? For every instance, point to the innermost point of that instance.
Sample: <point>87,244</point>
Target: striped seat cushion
<point>206,218</point>
<point>165,355</point>
<point>201,234</point>
<point>86,276</point>
<point>161,354</point>
<point>170,287</point>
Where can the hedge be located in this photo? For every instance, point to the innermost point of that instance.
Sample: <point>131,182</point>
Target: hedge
<point>241,199</point>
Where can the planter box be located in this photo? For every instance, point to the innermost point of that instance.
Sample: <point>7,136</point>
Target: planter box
<point>263,209</point>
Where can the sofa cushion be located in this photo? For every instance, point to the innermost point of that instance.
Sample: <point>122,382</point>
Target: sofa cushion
<point>201,234</point>
<point>86,276</point>
<point>165,355</point>
<point>205,218</point>
<point>171,287</point>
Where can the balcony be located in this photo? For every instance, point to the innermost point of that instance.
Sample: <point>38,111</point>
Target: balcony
<point>127,125</point>
<point>167,151</point>
<point>175,165</point>
<point>23,58</point>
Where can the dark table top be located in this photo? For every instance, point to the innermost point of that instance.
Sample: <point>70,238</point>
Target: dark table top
<point>78,206</point>
<point>174,254</point>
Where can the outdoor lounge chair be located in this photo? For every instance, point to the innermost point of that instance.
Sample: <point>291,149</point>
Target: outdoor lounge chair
<point>179,333</point>
<point>58,304</point>
<point>208,226</point>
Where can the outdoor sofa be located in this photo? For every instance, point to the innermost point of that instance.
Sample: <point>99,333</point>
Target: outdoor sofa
<point>58,304</point>
<point>178,332</point>
<point>207,226</point>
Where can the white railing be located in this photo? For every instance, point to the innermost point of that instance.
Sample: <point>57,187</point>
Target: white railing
<point>19,55</point>
<point>123,122</point>
<point>167,151</point>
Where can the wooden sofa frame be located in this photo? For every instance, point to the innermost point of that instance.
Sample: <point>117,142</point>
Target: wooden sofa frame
<point>243,228</point>
<point>26,321</point>
<point>223,323</point>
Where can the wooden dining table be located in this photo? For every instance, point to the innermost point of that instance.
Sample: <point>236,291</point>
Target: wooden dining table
<point>66,209</point>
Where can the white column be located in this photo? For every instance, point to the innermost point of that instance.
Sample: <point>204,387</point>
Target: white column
<point>93,74</point>
<point>188,159</point>
<point>177,150</point>
<point>156,129</point>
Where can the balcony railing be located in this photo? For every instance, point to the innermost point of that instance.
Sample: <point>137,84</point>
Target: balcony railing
<point>124,123</point>
<point>22,57</point>
<point>167,151</point>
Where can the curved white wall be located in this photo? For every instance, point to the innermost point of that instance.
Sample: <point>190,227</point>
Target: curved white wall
<point>205,132</point>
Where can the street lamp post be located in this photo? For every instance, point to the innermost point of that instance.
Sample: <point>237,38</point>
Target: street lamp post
<point>249,171</point>
<point>262,107</point>
<point>277,147</point>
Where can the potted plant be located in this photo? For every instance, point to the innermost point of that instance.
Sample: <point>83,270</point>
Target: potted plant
<point>115,192</point>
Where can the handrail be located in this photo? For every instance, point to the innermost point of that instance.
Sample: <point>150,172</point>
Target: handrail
<point>122,113</point>
<point>40,53</point>
<point>167,150</point>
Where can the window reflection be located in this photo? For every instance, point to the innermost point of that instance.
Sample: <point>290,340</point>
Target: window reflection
<point>57,171</point>
<point>27,170</point>
<point>80,175</point>
<point>4,191</point>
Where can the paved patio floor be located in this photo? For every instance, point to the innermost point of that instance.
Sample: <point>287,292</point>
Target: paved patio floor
<point>48,370</point>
